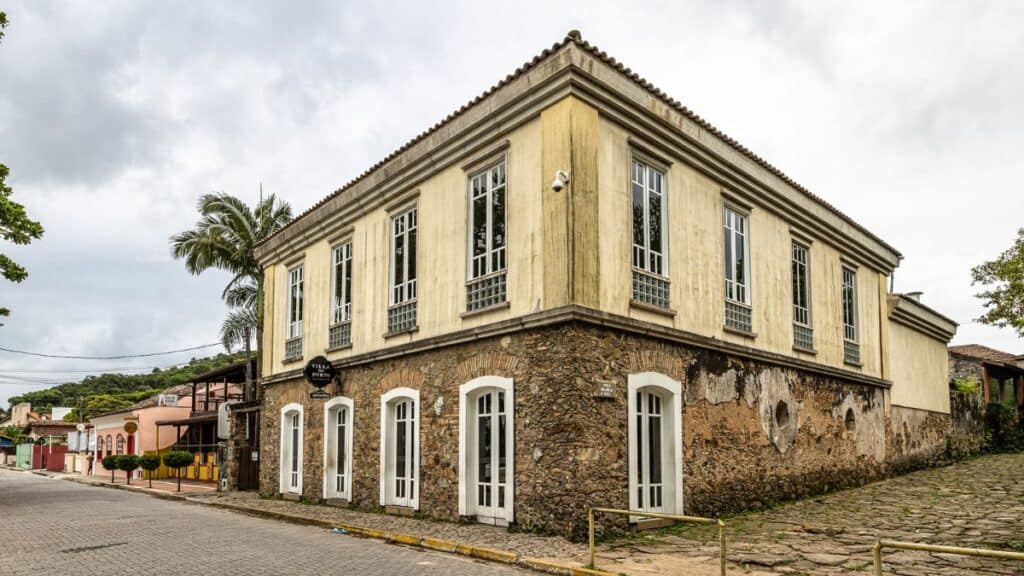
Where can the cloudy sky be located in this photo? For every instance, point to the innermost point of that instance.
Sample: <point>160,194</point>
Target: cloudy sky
<point>115,117</point>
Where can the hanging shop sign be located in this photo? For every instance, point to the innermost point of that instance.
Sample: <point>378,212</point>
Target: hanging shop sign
<point>130,427</point>
<point>319,372</point>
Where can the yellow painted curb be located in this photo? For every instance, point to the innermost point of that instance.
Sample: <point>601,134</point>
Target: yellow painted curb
<point>438,544</point>
<point>493,555</point>
<point>556,568</point>
<point>404,539</point>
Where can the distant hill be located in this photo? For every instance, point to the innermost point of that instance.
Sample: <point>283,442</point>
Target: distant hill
<point>109,392</point>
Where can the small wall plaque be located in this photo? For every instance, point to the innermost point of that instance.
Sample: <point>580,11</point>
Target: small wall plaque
<point>605,389</point>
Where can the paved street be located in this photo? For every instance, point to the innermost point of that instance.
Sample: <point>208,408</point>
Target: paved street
<point>978,503</point>
<point>59,527</point>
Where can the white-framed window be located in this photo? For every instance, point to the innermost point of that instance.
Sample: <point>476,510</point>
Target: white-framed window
<point>801,285</point>
<point>803,334</point>
<point>403,257</point>
<point>655,449</point>
<point>849,304</point>
<point>650,235</point>
<point>737,250</point>
<point>339,333</point>
<point>487,221</point>
<point>120,444</point>
<point>487,450</point>
<point>291,449</point>
<point>341,278</point>
<point>400,448</point>
<point>851,336</point>
<point>295,303</point>
<point>339,419</point>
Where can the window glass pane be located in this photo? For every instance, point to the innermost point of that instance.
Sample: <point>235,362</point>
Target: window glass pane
<point>400,446</point>
<point>654,458</point>
<point>480,225</point>
<point>741,277</point>
<point>654,222</point>
<point>498,217</point>
<point>412,255</point>
<point>399,261</point>
<point>728,256</point>
<point>639,228</point>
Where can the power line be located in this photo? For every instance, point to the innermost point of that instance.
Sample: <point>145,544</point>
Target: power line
<point>95,370</point>
<point>117,357</point>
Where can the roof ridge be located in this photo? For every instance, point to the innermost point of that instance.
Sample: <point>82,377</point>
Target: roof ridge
<point>575,37</point>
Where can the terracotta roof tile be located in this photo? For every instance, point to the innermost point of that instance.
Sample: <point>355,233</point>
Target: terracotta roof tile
<point>575,37</point>
<point>984,353</point>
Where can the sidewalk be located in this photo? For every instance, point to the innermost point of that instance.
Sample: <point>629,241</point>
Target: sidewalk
<point>169,486</point>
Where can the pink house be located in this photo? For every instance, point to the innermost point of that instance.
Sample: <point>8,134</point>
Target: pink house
<point>180,418</point>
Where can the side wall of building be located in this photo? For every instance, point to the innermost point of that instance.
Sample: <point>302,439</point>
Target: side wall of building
<point>696,267</point>
<point>920,370</point>
<point>442,205</point>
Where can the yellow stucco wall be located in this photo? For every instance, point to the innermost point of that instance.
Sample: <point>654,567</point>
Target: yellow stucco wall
<point>575,246</point>
<point>696,265</point>
<point>441,262</point>
<point>920,371</point>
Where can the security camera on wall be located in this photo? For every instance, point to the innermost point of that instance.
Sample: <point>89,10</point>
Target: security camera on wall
<point>561,179</point>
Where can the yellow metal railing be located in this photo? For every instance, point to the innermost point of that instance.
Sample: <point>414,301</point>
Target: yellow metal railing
<point>977,552</point>
<point>678,517</point>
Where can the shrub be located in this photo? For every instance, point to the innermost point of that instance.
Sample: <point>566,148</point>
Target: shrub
<point>1001,431</point>
<point>128,463</point>
<point>967,385</point>
<point>149,463</point>
<point>110,463</point>
<point>177,460</point>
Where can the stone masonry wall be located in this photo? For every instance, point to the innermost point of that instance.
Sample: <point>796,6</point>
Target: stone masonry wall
<point>752,433</point>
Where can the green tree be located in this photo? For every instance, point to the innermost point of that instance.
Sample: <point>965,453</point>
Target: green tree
<point>110,463</point>
<point>15,433</point>
<point>177,460</point>
<point>225,238</point>
<point>15,225</point>
<point>128,463</point>
<point>149,463</point>
<point>1003,279</point>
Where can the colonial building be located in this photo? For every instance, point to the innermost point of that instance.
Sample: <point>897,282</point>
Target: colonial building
<point>574,291</point>
<point>999,374</point>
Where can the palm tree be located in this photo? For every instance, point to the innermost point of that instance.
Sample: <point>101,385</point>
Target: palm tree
<point>225,238</point>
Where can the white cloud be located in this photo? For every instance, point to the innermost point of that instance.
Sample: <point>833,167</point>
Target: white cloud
<point>114,118</point>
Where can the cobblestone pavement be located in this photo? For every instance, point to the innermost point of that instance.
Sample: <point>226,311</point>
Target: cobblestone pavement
<point>978,504</point>
<point>55,527</point>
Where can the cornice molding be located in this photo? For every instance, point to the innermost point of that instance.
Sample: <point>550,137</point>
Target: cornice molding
<point>573,71</point>
<point>589,316</point>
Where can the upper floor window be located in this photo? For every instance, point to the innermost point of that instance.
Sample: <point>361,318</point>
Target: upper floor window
<point>295,288</point>
<point>649,241</point>
<point>737,247</point>
<point>487,260</point>
<point>849,304</point>
<point>802,335</point>
<point>403,257</point>
<point>851,350</point>
<point>737,271</point>
<point>402,313</point>
<point>340,332</point>
<point>487,221</point>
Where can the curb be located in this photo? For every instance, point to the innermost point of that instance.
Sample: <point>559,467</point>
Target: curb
<point>425,542</point>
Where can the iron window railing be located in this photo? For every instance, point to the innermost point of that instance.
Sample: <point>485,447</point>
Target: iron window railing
<point>486,291</point>
<point>650,289</point>
<point>851,352</point>
<point>738,316</point>
<point>402,317</point>
<point>340,335</point>
<point>293,348</point>
<point>803,337</point>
